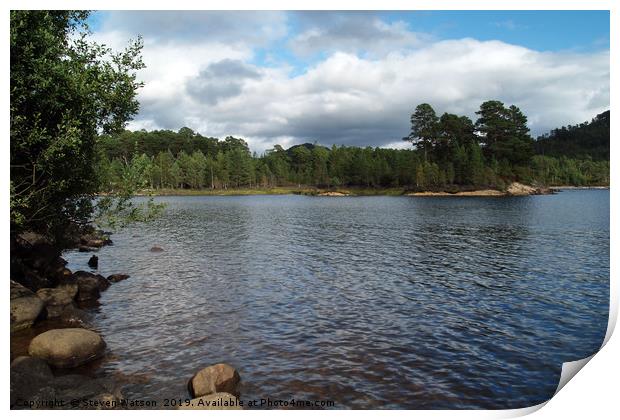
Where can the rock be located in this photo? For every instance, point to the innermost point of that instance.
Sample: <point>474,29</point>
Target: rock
<point>70,288</point>
<point>93,262</point>
<point>95,239</point>
<point>217,401</point>
<point>81,387</point>
<point>74,317</point>
<point>57,272</point>
<point>157,249</point>
<point>25,307</point>
<point>115,278</point>
<point>102,282</point>
<point>34,238</point>
<point>67,347</point>
<point>28,376</point>
<point>91,240</point>
<point>88,289</point>
<point>58,299</point>
<point>518,189</point>
<point>216,378</point>
<point>89,285</point>
<point>333,194</point>
<point>42,255</point>
<point>84,248</point>
<point>34,281</point>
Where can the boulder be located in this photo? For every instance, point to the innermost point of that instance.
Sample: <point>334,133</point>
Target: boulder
<point>33,238</point>
<point>58,273</point>
<point>70,288</point>
<point>93,262</point>
<point>102,282</point>
<point>58,299</point>
<point>42,255</point>
<point>25,307</point>
<point>74,317</point>
<point>115,278</point>
<point>217,401</point>
<point>67,347</point>
<point>157,248</point>
<point>89,285</point>
<point>88,289</point>
<point>216,378</point>
<point>34,281</point>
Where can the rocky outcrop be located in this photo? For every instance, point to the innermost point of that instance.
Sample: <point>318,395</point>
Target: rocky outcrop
<point>67,347</point>
<point>217,401</point>
<point>58,299</point>
<point>518,189</point>
<point>216,378</point>
<point>333,194</point>
<point>115,278</point>
<point>25,307</point>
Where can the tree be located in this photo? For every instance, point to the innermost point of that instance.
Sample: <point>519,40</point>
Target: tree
<point>423,128</point>
<point>64,90</point>
<point>505,134</point>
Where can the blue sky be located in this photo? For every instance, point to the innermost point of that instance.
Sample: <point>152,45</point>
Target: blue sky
<point>353,77</point>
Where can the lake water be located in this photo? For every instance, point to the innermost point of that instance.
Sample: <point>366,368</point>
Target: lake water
<point>370,302</point>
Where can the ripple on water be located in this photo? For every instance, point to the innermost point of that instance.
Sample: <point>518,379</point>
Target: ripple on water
<point>371,302</point>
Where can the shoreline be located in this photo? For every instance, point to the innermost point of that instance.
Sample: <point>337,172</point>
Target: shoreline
<point>365,192</point>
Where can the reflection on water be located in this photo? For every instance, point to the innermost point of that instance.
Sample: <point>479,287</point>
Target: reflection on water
<point>373,302</point>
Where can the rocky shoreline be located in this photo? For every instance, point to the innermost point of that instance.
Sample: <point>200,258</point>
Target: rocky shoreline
<point>51,302</point>
<point>514,190</point>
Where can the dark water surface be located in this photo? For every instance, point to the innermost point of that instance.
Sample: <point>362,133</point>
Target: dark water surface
<point>372,302</point>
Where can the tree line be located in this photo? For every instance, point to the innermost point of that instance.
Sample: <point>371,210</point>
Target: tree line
<point>450,151</point>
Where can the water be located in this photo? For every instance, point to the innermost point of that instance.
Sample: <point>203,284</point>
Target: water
<point>370,302</point>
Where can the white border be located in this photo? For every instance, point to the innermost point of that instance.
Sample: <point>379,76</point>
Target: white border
<point>593,394</point>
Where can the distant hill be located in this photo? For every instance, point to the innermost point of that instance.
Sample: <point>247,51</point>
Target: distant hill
<point>578,141</point>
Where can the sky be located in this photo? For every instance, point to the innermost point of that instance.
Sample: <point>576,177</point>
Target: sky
<point>353,78</point>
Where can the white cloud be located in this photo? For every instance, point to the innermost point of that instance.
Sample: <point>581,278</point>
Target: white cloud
<point>355,98</point>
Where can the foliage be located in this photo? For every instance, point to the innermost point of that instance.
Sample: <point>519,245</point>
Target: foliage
<point>450,151</point>
<point>65,90</point>
<point>582,141</point>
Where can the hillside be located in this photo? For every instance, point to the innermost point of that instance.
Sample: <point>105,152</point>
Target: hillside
<point>588,139</point>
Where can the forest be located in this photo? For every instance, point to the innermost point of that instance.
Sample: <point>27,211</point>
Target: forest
<point>448,152</point>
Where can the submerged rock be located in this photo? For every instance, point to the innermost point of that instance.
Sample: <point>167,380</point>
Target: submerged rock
<point>216,378</point>
<point>115,278</point>
<point>33,386</point>
<point>25,307</point>
<point>67,347</point>
<point>217,401</point>
<point>157,248</point>
<point>28,375</point>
